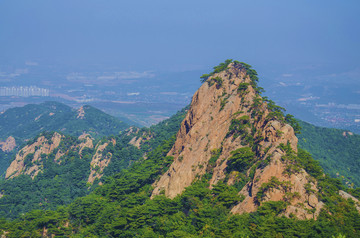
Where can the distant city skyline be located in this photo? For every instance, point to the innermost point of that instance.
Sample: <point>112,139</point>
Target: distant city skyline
<point>24,91</point>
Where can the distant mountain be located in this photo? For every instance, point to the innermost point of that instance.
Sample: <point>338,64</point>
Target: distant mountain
<point>338,151</point>
<point>18,125</point>
<point>26,122</point>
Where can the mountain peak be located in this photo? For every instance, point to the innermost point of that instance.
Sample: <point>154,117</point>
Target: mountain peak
<point>232,134</point>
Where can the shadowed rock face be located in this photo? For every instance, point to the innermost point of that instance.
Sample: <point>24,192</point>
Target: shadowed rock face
<point>225,98</point>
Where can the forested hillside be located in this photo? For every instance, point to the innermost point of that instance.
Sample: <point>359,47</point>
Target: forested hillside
<point>75,167</point>
<point>18,125</point>
<point>123,208</point>
<point>249,180</point>
<point>338,151</point>
<point>28,121</point>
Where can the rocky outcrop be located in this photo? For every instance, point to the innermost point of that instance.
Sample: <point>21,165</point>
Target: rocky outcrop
<point>226,114</point>
<point>8,145</point>
<point>345,195</point>
<point>138,140</point>
<point>28,159</point>
<point>272,184</point>
<point>81,113</point>
<point>86,142</point>
<point>203,130</point>
<point>100,160</point>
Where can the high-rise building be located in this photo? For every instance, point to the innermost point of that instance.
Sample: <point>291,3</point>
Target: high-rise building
<point>24,91</point>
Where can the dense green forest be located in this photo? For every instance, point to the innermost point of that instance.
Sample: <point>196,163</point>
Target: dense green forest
<point>28,121</point>
<point>122,208</point>
<point>60,184</point>
<point>337,151</point>
<point>25,123</point>
<point>5,159</point>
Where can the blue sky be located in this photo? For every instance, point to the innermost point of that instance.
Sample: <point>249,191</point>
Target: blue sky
<point>180,35</point>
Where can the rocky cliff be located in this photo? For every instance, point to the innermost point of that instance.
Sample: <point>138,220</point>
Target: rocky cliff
<point>29,160</point>
<point>229,123</point>
<point>100,160</point>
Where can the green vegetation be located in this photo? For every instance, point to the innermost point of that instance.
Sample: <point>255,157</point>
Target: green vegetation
<point>217,81</point>
<point>252,74</point>
<point>338,153</point>
<point>57,185</point>
<point>242,87</point>
<point>60,184</point>
<point>122,208</point>
<point>165,129</point>
<point>241,159</point>
<point>5,159</point>
<point>217,69</point>
<point>273,183</point>
<point>215,154</point>
<point>28,121</point>
<point>238,127</point>
<point>25,123</point>
<point>293,123</point>
<point>222,66</point>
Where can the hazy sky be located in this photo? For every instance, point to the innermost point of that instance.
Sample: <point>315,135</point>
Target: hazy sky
<point>180,35</point>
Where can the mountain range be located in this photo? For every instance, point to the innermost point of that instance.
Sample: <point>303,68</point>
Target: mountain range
<point>229,165</point>
<point>26,122</point>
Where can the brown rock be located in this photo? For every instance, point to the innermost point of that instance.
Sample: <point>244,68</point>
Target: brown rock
<point>81,113</point>
<point>206,128</point>
<point>345,195</point>
<point>41,146</point>
<point>86,142</point>
<point>99,161</point>
<point>137,141</point>
<point>8,145</point>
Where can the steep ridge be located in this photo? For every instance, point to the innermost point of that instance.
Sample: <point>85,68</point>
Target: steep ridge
<point>229,123</point>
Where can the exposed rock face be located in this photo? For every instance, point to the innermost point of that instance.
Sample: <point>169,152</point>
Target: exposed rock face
<point>302,202</point>
<point>8,145</point>
<point>100,161</point>
<point>86,142</point>
<point>28,159</point>
<point>345,195</point>
<point>138,140</point>
<point>132,130</point>
<point>203,130</point>
<point>225,99</point>
<point>81,113</point>
<point>347,133</point>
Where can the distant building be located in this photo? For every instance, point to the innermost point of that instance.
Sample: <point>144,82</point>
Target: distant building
<point>24,91</point>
